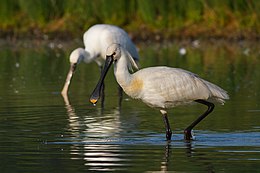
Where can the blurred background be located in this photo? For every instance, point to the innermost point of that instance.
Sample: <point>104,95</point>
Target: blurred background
<point>143,19</point>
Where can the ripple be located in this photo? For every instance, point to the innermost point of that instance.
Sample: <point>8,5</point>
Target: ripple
<point>203,139</point>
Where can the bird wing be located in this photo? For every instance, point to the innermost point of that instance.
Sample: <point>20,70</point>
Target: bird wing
<point>98,37</point>
<point>168,87</point>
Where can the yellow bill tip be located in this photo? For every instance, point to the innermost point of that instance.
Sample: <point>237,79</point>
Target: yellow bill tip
<point>93,101</point>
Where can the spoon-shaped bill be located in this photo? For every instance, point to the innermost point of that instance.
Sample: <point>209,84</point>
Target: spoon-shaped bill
<point>96,93</point>
<point>68,79</point>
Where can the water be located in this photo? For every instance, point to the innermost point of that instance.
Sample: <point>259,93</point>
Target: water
<point>39,133</point>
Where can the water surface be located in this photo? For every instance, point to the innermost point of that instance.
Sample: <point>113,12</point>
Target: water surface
<point>40,133</point>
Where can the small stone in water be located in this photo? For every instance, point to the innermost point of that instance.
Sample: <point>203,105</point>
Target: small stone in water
<point>17,65</point>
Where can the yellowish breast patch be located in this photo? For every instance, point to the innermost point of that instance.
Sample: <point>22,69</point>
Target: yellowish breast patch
<point>135,87</point>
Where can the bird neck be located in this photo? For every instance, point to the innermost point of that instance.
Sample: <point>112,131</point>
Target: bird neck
<point>89,55</point>
<point>122,74</point>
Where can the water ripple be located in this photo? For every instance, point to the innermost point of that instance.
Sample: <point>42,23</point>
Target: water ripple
<point>206,139</point>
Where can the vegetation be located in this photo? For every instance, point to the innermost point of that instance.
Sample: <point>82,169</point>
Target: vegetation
<point>144,19</point>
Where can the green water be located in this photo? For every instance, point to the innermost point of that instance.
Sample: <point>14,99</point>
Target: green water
<point>39,133</point>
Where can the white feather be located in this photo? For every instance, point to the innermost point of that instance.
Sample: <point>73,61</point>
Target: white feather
<point>96,40</point>
<point>165,87</point>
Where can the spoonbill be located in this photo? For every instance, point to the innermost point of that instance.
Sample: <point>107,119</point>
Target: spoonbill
<point>160,87</point>
<point>96,40</point>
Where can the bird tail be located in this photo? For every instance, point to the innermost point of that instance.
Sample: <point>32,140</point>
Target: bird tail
<point>217,93</point>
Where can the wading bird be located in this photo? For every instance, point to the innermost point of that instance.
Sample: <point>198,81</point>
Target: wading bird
<point>96,40</point>
<point>160,87</point>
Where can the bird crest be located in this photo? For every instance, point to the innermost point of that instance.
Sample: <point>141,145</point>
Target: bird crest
<point>131,62</point>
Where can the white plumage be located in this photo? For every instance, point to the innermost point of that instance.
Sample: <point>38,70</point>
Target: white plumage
<point>161,87</point>
<point>165,87</point>
<point>96,40</point>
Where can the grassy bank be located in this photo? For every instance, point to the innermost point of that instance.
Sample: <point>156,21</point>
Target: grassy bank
<point>143,19</point>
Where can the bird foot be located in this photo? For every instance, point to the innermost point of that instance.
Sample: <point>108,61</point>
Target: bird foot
<point>187,135</point>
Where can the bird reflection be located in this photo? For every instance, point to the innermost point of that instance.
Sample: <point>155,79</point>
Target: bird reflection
<point>101,124</point>
<point>98,141</point>
<point>102,99</point>
<point>198,157</point>
<point>165,160</point>
<point>189,148</point>
<point>91,138</point>
<point>191,153</point>
<point>103,157</point>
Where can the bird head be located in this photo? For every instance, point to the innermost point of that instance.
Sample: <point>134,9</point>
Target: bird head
<point>77,56</point>
<point>116,51</point>
<point>113,54</point>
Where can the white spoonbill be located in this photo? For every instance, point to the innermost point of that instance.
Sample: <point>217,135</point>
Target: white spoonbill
<point>96,40</point>
<point>160,87</point>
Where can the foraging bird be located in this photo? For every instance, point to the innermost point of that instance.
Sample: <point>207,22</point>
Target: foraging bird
<point>96,40</point>
<point>160,87</point>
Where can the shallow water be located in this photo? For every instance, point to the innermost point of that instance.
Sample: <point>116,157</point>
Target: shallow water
<point>39,133</point>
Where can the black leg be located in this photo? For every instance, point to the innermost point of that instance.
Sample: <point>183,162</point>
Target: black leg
<point>167,125</point>
<point>102,94</point>
<point>120,96</point>
<point>187,131</point>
